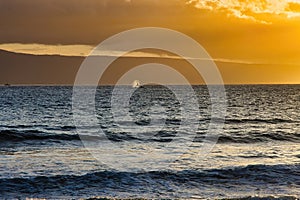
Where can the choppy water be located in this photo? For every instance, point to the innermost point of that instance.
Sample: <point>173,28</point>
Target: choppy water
<point>258,154</point>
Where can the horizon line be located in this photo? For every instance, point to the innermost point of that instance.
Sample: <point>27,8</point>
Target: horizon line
<point>73,85</point>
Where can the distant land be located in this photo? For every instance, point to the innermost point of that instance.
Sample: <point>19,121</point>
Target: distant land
<point>30,69</point>
<point>26,69</point>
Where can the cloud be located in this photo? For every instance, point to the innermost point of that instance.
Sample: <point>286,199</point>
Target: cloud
<point>251,10</point>
<point>86,50</point>
<point>43,49</point>
<point>83,21</point>
<point>73,50</point>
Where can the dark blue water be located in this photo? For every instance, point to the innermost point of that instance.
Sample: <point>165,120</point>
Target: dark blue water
<point>258,153</point>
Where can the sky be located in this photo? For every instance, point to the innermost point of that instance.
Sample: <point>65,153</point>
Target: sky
<point>251,42</point>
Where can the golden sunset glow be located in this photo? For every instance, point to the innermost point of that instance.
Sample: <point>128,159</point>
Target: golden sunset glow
<point>251,41</point>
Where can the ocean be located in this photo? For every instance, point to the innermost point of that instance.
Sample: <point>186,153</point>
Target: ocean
<point>43,155</point>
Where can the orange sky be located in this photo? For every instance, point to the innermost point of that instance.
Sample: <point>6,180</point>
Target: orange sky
<point>256,42</point>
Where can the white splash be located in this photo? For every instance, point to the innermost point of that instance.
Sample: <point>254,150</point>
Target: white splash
<point>136,84</point>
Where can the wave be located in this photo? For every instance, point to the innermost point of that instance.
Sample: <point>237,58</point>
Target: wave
<point>35,135</point>
<point>260,137</point>
<point>58,128</point>
<point>270,176</point>
<point>265,198</point>
<point>162,136</point>
<point>241,198</point>
<point>255,121</point>
<point>17,136</point>
<point>250,121</point>
<point>61,128</point>
<point>253,137</point>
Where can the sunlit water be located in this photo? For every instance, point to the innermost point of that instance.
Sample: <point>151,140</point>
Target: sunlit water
<point>258,154</point>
